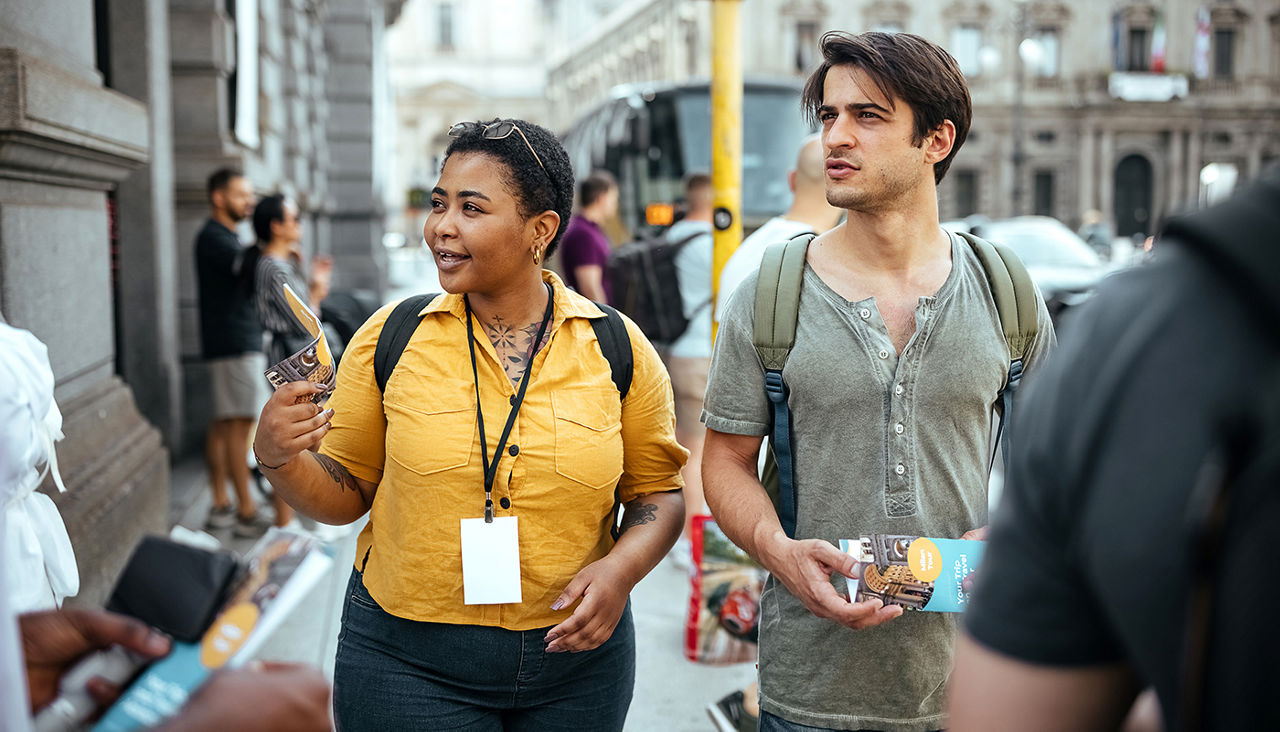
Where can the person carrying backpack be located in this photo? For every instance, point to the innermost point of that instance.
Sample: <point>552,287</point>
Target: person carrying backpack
<point>1134,544</point>
<point>879,404</point>
<point>490,433</point>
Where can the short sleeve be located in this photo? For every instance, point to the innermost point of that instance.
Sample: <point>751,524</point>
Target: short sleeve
<point>359,426</point>
<point>735,402</point>
<point>1033,600</point>
<point>651,458</point>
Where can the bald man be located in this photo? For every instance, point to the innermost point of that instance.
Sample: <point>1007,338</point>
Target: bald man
<point>809,214</point>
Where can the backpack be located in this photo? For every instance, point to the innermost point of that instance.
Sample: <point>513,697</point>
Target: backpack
<point>777,307</point>
<point>610,331</point>
<point>644,285</point>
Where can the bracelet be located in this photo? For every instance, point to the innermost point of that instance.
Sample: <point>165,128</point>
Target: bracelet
<point>268,467</point>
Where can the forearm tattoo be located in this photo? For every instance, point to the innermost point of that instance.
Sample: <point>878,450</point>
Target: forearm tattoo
<point>638,513</point>
<point>338,473</point>
<point>514,346</point>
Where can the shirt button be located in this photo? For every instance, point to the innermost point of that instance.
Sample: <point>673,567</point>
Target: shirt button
<point>898,428</point>
<point>511,400</point>
<point>901,469</point>
<point>898,390</point>
<point>504,502</point>
<point>513,450</point>
<point>864,313</point>
<point>884,353</point>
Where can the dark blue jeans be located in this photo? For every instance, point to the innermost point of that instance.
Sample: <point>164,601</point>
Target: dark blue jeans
<point>772,723</point>
<point>397,674</point>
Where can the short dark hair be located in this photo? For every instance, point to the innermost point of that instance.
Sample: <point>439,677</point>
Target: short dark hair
<point>696,181</point>
<point>903,66</point>
<point>537,188</point>
<point>268,211</point>
<point>220,179</point>
<point>594,186</point>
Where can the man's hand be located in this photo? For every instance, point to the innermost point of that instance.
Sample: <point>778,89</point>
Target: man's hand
<point>979,534</point>
<point>286,428</point>
<point>54,640</point>
<point>805,569</point>
<point>266,697</point>
<point>604,591</point>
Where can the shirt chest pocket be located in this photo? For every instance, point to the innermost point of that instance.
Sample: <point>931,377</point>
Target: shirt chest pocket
<point>430,439</point>
<point>588,428</point>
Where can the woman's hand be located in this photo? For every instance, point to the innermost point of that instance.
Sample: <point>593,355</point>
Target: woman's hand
<point>321,275</point>
<point>288,427</point>
<point>604,589</point>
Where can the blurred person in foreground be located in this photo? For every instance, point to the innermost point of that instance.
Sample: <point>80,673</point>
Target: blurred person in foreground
<point>584,251</point>
<point>231,342</point>
<point>276,260</point>
<point>38,648</point>
<point>898,360</point>
<point>809,213</point>
<point>501,406</point>
<point>1165,397</point>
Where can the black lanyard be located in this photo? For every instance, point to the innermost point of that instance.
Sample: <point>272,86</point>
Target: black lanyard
<point>491,468</point>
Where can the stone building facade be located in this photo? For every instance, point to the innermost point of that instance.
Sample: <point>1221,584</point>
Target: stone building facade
<point>112,115</point>
<point>1089,104</point>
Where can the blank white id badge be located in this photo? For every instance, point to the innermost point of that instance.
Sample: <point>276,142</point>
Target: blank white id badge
<point>490,561</point>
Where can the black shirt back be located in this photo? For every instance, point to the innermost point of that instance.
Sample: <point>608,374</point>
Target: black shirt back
<point>1090,559</point>
<point>228,323</point>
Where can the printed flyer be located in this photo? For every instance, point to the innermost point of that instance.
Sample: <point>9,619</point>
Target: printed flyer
<point>916,572</point>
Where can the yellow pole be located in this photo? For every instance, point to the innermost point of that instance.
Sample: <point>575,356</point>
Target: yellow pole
<point>726,134</point>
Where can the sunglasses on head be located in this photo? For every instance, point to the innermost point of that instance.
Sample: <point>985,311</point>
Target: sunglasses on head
<point>495,131</point>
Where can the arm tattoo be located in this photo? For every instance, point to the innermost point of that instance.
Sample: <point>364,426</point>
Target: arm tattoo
<point>638,513</point>
<point>338,473</point>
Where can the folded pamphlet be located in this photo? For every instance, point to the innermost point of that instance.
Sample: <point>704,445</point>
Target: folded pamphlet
<point>313,363</point>
<point>282,568</point>
<point>916,572</point>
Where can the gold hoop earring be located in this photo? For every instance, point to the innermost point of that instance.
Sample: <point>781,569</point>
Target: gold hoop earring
<point>537,257</point>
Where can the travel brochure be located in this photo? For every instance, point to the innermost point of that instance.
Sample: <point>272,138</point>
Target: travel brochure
<point>916,572</point>
<point>313,363</point>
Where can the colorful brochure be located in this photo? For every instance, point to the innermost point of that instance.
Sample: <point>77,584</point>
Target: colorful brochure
<point>314,362</point>
<point>282,568</point>
<point>918,573</point>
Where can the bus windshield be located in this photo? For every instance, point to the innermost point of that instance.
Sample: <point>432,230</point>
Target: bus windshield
<point>772,129</point>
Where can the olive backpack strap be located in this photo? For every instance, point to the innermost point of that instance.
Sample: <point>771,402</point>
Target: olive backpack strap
<point>777,308</point>
<point>395,335</point>
<point>1017,304</point>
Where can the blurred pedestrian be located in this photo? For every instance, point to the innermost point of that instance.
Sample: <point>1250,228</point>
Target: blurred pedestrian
<point>689,357</point>
<point>809,213</point>
<point>898,359</point>
<point>1133,544</point>
<point>488,590</point>
<point>231,342</point>
<point>1096,232</point>
<point>276,260</point>
<point>584,252</point>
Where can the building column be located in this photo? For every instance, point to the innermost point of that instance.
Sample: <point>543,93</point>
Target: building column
<point>65,142</point>
<point>1087,168</point>
<point>1177,174</point>
<point>1253,163</point>
<point>1107,176</point>
<point>1194,164</point>
<point>359,119</point>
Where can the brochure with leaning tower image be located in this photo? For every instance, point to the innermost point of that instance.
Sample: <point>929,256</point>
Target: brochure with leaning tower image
<point>916,572</point>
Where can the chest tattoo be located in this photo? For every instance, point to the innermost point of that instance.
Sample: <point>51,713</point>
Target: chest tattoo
<point>514,345</point>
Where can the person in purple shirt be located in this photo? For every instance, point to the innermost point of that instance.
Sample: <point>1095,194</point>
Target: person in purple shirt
<point>584,250</point>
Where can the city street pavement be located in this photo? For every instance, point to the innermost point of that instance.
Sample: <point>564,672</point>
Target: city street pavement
<point>671,693</point>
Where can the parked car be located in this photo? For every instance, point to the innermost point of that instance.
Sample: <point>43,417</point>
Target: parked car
<point>1063,266</point>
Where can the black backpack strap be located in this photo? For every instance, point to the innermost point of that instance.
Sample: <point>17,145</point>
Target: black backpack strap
<point>395,335</point>
<point>615,344</point>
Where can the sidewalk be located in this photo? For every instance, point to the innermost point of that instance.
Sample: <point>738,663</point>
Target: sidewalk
<point>670,694</point>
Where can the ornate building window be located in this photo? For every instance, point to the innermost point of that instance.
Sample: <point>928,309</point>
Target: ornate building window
<point>807,20</point>
<point>1228,23</point>
<point>444,26</point>
<point>968,22</point>
<point>887,16</point>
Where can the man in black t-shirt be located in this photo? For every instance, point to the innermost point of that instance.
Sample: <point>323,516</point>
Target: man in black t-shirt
<point>1084,594</point>
<point>231,341</point>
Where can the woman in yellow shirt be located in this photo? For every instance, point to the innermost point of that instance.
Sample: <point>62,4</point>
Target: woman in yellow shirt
<point>488,591</point>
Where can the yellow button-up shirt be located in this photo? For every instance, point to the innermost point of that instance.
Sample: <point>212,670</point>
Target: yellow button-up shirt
<point>573,441</point>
